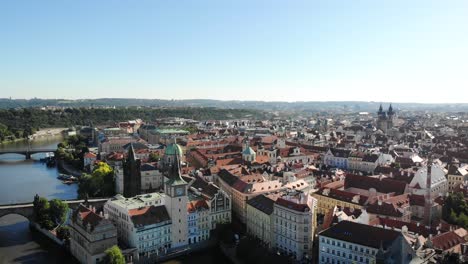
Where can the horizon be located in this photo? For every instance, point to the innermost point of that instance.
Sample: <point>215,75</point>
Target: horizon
<point>237,100</point>
<point>395,51</point>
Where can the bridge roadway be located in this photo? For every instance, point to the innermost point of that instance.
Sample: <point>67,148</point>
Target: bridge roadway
<point>26,209</point>
<point>26,152</point>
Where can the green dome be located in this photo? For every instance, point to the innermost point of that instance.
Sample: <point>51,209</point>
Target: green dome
<point>173,149</point>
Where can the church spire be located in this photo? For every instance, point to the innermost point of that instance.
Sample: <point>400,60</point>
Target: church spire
<point>390,109</point>
<point>380,108</point>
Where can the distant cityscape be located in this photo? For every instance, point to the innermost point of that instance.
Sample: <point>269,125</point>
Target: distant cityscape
<point>338,187</point>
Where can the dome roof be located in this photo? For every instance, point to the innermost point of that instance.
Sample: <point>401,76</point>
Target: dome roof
<point>173,149</point>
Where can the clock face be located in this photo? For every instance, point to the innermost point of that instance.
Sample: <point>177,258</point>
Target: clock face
<point>179,191</point>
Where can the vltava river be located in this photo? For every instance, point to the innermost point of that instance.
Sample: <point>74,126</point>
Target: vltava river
<point>20,180</point>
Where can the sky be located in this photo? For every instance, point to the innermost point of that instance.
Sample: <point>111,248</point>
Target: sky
<point>391,51</point>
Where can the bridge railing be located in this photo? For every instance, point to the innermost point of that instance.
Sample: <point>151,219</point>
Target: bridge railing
<point>66,201</point>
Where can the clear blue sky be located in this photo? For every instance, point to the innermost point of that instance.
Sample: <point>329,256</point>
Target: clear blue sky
<point>270,50</point>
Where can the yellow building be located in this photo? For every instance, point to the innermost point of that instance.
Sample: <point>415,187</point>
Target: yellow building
<point>327,199</point>
<point>456,176</point>
<point>258,218</point>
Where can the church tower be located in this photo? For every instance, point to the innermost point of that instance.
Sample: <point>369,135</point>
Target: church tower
<point>132,174</point>
<point>390,117</point>
<point>176,204</point>
<point>428,196</point>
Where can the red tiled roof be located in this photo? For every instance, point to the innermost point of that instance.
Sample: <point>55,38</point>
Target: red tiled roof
<point>292,205</point>
<point>362,234</point>
<point>384,185</point>
<point>193,206</point>
<point>446,241</point>
<point>90,155</point>
<point>412,226</point>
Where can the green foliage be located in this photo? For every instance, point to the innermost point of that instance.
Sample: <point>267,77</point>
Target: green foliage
<point>41,212</point>
<point>455,210</point>
<point>63,233</point>
<point>72,151</point>
<point>19,123</point>
<point>191,129</point>
<point>114,256</point>
<point>58,211</point>
<point>100,183</point>
<point>153,157</point>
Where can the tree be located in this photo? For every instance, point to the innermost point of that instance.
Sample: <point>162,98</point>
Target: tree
<point>63,233</point>
<point>455,210</point>
<point>114,256</point>
<point>58,211</point>
<point>41,212</point>
<point>99,184</point>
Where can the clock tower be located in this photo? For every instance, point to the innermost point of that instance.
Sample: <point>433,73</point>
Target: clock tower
<point>176,203</point>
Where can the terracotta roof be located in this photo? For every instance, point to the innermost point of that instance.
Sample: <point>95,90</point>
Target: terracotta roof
<point>412,226</point>
<point>197,205</point>
<point>417,200</point>
<point>343,196</point>
<point>87,216</point>
<point>446,241</point>
<point>89,155</point>
<point>384,185</point>
<point>149,215</point>
<point>361,234</point>
<point>292,205</point>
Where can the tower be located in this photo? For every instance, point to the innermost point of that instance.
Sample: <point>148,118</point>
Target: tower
<point>428,196</point>
<point>390,117</point>
<point>171,151</point>
<point>175,189</point>
<point>132,174</point>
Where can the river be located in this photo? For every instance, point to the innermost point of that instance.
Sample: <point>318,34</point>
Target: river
<point>20,180</point>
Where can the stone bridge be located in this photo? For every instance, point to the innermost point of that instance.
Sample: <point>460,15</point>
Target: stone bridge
<point>26,152</point>
<point>26,209</point>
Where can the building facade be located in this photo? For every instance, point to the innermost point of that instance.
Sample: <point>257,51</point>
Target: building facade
<point>90,235</point>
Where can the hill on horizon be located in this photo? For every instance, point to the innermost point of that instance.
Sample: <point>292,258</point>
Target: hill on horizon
<point>368,106</point>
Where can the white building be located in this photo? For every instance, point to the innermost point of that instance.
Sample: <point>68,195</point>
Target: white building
<point>118,211</point>
<point>293,227</point>
<point>90,235</point>
<point>150,228</point>
<point>198,221</point>
<point>350,242</point>
<point>151,177</point>
<point>336,158</point>
<point>438,186</point>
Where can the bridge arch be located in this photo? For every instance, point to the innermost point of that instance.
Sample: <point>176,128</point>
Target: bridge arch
<point>24,214</point>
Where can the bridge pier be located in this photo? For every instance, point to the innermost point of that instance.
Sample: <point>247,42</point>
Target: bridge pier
<point>28,156</point>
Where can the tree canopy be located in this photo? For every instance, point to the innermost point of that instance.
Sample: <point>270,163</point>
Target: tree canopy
<point>100,183</point>
<point>455,210</point>
<point>114,256</point>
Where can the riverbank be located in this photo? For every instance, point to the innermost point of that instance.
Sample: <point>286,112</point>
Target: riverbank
<point>42,134</point>
<point>68,169</point>
<point>21,244</point>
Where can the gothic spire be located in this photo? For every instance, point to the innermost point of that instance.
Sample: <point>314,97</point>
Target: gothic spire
<point>390,109</point>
